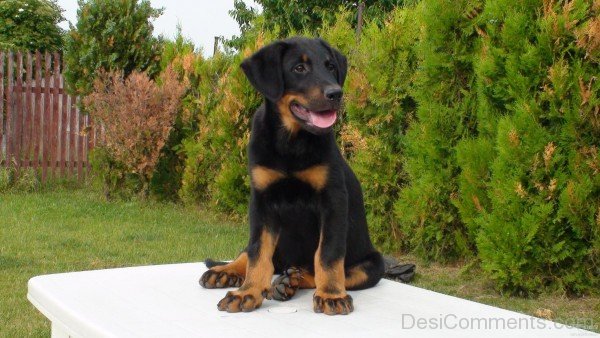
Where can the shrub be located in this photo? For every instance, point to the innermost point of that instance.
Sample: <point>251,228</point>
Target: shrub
<point>6,178</point>
<point>111,35</point>
<point>473,126</point>
<point>541,228</point>
<point>378,106</point>
<point>180,54</point>
<point>200,164</point>
<point>26,180</point>
<point>216,157</point>
<point>136,115</point>
<point>444,115</point>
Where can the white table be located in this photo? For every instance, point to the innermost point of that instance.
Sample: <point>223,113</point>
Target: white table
<point>166,301</point>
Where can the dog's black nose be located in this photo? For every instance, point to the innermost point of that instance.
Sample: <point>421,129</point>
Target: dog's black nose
<point>333,93</point>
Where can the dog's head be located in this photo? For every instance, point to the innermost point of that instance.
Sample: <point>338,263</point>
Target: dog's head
<point>304,78</point>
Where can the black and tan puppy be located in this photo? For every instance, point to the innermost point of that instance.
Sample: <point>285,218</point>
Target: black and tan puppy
<point>307,218</point>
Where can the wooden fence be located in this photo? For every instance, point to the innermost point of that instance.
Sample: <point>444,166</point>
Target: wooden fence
<point>40,124</point>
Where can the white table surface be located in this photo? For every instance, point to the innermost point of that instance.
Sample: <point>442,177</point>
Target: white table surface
<point>167,301</point>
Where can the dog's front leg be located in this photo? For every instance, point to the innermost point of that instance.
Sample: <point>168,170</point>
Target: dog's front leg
<point>259,269</point>
<point>330,296</point>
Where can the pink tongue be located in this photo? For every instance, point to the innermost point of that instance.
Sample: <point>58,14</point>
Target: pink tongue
<point>323,119</point>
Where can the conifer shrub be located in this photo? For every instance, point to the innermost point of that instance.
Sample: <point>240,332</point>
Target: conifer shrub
<point>473,126</point>
<point>445,113</point>
<point>378,106</point>
<point>199,166</point>
<point>541,229</point>
<point>180,54</point>
<point>216,171</point>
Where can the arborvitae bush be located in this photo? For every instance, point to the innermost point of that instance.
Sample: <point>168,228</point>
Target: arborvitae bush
<point>378,106</point>
<point>200,164</point>
<point>180,54</point>
<point>475,154</point>
<point>474,127</point>
<point>216,169</point>
<point>541,228</point>
<point>445,114</point>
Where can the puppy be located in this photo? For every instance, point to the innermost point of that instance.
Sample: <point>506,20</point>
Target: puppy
<point>307,216</point>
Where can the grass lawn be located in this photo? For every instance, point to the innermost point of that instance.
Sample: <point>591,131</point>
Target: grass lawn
<point>63,231</point>
<point>470,283</point>
<point>77,230</point>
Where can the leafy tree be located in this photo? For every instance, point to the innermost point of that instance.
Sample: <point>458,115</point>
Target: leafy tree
<point>111,35</point>
<point>291,16</point>
<point>30,25</point>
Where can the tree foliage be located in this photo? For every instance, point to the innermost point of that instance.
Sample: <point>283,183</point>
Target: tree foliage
<point>295,16</point>
<point>111,35</point>
<point>443,93</point>
<point>539,89</point>
<point>31,25</point>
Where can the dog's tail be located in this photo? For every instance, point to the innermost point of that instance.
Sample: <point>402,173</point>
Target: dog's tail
<point>210,263</point>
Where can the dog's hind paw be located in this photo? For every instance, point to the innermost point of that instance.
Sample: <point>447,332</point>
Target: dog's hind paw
<point>285,286</point>
<point>212,279</point>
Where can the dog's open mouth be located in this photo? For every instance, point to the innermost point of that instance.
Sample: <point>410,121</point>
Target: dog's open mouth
<point>321,119</point>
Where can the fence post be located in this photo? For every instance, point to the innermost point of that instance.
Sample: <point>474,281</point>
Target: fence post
<point>55,113</point>
<point>216,46</point>
<point>46,118</point>
<point>359,24</point>
<point>80,146</point>
<point>63,124</point>
<point>72,136</point>
<point>2,133</point>
<point>9,110</point>
<point>28,111</point>
<point>37,116</point>
<point>18,120</point>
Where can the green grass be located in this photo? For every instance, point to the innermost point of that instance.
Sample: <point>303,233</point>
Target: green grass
<point>469,282</point>
<point>61,231</point>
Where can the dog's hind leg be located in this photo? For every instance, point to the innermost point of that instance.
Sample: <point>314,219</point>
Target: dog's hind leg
<point>362,275</point>
<point>365,273</point>
<point>227,275</point>
<point>285,286</point>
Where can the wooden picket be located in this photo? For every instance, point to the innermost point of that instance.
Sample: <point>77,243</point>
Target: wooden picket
<point>40,125</point>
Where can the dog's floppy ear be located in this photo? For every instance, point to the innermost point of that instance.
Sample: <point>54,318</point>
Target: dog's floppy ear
<point>263,70</point>
<point>340,59</point>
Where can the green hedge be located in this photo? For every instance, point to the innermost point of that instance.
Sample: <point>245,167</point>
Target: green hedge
<point>538,86</point>
<point>474,127</point>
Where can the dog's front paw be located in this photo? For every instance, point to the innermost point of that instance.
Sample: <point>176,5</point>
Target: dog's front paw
<point>332,304</point>
<point>284,287</point>
<point>242,300</point>
<point>212,279</point>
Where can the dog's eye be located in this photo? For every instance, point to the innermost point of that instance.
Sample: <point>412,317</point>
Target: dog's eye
<point>300,69</point>
<point>330,67</point>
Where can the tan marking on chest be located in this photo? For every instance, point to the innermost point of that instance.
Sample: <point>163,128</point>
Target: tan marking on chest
<point>316,176</point>
<point>262,177</point>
